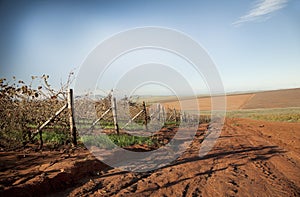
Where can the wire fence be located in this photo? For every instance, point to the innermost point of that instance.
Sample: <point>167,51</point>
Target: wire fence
<point>126,114</point>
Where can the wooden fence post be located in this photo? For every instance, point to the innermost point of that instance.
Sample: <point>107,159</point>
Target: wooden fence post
<point>71,117</point>
<point>163,114</point>
<point>145,113</point>
<point>183,117</point>
<point>114,111</point>
<point>158,111</point>
<point>175,115</point>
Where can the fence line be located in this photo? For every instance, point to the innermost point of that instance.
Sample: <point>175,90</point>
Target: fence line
<point>110,110</point>
<point>123,113</point>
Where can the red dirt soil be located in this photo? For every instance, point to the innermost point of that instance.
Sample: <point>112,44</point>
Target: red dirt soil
<point>250,158</point>
<point>274,99</point>
<point>266,99</point>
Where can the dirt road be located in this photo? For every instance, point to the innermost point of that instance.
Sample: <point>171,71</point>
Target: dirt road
<point>251,158</point>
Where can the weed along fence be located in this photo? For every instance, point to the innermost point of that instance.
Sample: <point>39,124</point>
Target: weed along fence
<point>123,114</point>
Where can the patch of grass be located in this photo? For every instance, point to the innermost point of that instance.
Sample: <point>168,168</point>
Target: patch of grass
<point>134,127</point>
<point>122,140</point>
<point>171,123</point>
<point>128,140</point>
<point>100,141</point>
<point>278,115</point>
<point>54,137</point>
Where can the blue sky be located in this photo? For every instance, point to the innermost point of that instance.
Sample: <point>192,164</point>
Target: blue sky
<point>255,44</point>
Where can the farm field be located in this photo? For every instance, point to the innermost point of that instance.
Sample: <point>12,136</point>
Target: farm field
<point>258,100</point>
<point>257,154</point>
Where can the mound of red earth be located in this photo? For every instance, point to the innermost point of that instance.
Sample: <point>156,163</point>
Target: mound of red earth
<point>250,158</point>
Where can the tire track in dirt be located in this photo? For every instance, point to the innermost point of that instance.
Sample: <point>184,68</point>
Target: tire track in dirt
<point>273,180</point>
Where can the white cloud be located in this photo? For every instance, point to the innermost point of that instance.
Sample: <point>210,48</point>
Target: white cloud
<point>261,10</point>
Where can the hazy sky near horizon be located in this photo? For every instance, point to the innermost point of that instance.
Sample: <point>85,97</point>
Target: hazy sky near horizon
<point>254,44</point>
